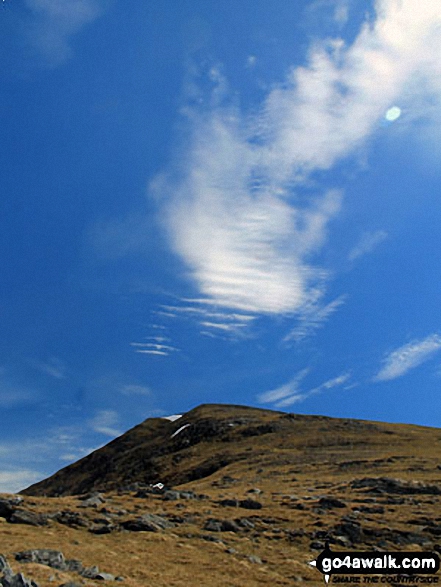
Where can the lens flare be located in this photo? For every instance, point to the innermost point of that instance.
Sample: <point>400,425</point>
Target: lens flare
<point>393,113</point>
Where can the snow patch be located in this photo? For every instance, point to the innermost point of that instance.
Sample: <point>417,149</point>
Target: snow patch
<point>172,418</point>
<point>179,430</point>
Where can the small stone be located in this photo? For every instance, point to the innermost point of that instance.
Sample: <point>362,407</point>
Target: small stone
<point>93,502</point>
<point>90,572</point>
<point>104,577</point>
<point>255,559</point>
<point>250,504</point>
<point>331,502</point>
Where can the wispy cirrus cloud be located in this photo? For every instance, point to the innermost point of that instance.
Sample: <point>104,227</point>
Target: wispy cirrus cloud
<point>136,390</point>
<point>233,207</point>
<point>291,393</point>
<point>154,345</point>
<point>105,422</point>
<point>54,367</point>
<point>54,22</point>
<point>312,318</point>
<point>287,390</point>
<point>367,243</point>
<point>408,357</point>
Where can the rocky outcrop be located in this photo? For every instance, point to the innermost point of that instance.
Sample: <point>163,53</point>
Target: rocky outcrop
<point>147,523</point>
<point>51,558</point>
<point>389,485</point>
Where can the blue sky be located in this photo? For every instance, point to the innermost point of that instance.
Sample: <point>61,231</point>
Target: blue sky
<point>229,202</point>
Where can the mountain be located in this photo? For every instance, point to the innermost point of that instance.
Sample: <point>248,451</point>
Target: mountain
<point>218,437</point>
<point>250,497</point>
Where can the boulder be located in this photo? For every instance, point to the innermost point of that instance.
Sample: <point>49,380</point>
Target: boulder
<point>7,508</point>
<point>20,516</point>
<point>214,525</point>
<point>250,504</point>
<point>4,565</point>
<point>147,523</point>
<point>18,580</point>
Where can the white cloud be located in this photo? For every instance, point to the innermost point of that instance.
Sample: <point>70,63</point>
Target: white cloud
<point>136,390</point>
<point>26,461</point>
<point>247,236</point>
<point>299,397</point>
<point>54,367</point>
<point>15,480</point>
<point>290,393</point>
<point>216,320</point>
<point>289,389</point>
<point>367,243</point>
<point>55,22</point>
<point>407,357</point>
<point>313,317</point>
<point>105,421</point>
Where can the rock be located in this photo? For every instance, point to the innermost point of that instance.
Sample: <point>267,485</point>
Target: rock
<point>74,565</point>
<point>255,559</point>
<point>71,519</point>
<point>90,572</point>
<point>93,494</point>
<point>102,529</point>
<point>331,502</point>
<point>229,526</point>
<point>352,530</point>
<point>250,504</point>
<point>92,502</point>
<point>4,565</point>
<point>317,545</point>
<point>245,523</point>
<point>147,523</point>
<point>214,525</point>
<point>18,580</point>
<point>172,495</point>
<point>104,577</point>
<point>190,495</point>
<point>390,485</point>
<point>255,490</point>
<point>376,509</point>
<point>20,516</point>
<point>43,556</point>
<point>232,503</point>
<point>70,584</point>
<point>7,508</point>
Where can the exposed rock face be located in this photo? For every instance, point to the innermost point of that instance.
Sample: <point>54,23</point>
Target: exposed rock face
<point>388,485</point>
